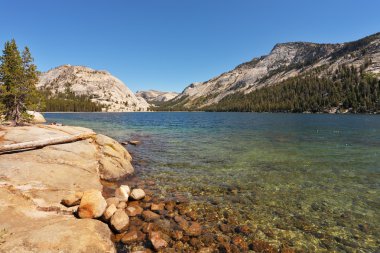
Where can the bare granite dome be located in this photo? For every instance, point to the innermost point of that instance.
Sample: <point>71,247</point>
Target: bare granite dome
<point>100,85</point>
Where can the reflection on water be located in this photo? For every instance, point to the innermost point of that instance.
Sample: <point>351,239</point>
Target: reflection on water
<point>308,181</point>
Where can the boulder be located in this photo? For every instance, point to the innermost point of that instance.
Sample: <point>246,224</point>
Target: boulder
<point>137,194</point>
<point>113,169</point>
<point>115,162</point>
<point>36,117</point>
<point>123,192</point>
<point>109,212</point>
<point>119,221</point>
<point>92,204</point>
<point>72,199</point>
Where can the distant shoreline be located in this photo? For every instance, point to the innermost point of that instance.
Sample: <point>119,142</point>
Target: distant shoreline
<point>347,113</point>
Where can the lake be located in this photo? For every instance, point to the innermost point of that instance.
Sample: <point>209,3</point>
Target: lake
<point>309,181</point>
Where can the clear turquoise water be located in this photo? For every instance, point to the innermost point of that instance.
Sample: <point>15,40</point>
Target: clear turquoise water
<point>309,181</point>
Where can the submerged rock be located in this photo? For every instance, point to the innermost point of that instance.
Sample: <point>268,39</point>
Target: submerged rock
<point>134,210</point>
<point>150,216</point>
<point>195,229</point>
<point>157,207</point>
<point>137,194</point>
<point>130,237</point>
<point>92,204</point>
<point>157,240</point>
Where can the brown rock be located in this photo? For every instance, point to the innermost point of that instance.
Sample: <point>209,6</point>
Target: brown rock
<point>134,203</point>
<point>194,242</point>
<point>244,229</point>
<point>207,238</point>
<point>147,198</point>
<point>183,224</point>
<point>262,246</point>
<point>157,207</point>
<point>135,221</point>
<point>119,221</point>
<point>225,228</point>
<point>192,215</point>
<point>148,227</point>
<point>177,235</point>
<point>134,210</point>
<point>170,206</point>
<point>130,237</point>
<point>72,199</point>
<point>149,215</point>
<point>92,204</point>
<point>195,229</point>
<point>239,241</point>
<point>178,246</point>
<point>157,240</point>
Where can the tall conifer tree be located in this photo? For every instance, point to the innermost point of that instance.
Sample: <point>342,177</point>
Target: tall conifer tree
<point>18,77</point>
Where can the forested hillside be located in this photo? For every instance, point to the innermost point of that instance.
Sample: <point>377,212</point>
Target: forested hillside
<point>293,77</point>
<point>68,101</point>
<point>345,89</point>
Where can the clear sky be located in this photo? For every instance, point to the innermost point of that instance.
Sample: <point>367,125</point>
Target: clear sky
<point>168,44</point>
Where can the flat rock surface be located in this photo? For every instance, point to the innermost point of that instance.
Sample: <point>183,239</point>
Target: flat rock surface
<point>33,183</point>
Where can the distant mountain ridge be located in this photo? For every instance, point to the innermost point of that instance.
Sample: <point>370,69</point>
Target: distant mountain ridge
<point>156,97</point>
<point>100,86</point>
<point>285,60</point>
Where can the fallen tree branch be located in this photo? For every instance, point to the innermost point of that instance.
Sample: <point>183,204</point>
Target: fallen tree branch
<point>46,142</point>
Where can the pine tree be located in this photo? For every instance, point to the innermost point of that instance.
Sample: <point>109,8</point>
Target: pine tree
<point>18,76</point>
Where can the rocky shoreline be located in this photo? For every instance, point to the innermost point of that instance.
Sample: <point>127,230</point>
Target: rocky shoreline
<point>82,197</point>
<point>33,183</point>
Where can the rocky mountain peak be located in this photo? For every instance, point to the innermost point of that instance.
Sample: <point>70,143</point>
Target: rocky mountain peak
<point>156,97</point>
<point>285,60</point>
<point>99,85</point>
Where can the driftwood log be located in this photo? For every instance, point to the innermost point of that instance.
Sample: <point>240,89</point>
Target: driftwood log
<point>46,142</point>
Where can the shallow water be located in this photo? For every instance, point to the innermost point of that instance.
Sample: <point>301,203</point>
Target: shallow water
<point>311,182</point>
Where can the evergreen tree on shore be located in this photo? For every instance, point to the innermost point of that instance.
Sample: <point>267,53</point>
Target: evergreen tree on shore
<point>18,76</point>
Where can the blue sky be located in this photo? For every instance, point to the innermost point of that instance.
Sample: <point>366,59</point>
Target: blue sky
<point>168,44</point>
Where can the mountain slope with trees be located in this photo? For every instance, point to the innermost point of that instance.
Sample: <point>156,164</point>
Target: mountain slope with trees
<point>308,64</point>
